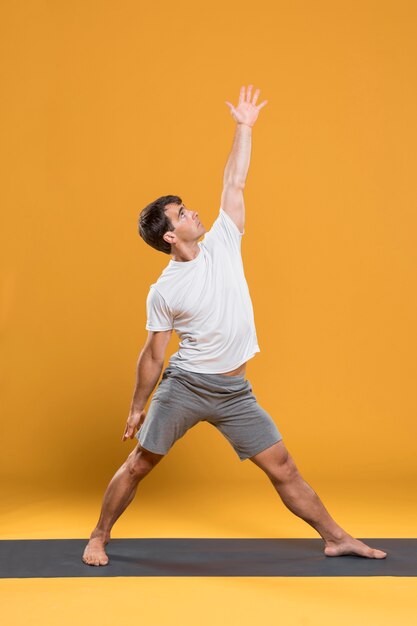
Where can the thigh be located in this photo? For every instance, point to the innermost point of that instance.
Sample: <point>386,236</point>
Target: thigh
<point>172,412</point>
<point>246,425</point>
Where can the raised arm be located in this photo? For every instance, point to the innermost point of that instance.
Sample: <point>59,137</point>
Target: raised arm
<point>236,170</point>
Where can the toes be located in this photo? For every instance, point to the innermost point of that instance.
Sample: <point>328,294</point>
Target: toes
<point>369,552</point>
<point>95,560</point>
<point>88,559</point>
<point>373,553</point>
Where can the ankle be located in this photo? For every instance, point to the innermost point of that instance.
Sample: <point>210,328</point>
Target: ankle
<point>336,536</point>
<point>98,533</point>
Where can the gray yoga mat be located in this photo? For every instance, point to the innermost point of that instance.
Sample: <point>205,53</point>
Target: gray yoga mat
<point>57,558</point>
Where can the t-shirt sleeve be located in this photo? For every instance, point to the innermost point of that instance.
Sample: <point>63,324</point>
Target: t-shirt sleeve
<point>224,232</point>
<point>159,316</point>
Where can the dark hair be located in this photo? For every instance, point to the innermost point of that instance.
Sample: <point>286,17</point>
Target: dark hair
<point>154,223</point>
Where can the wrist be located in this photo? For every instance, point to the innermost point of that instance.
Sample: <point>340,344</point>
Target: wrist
<point>243,124</point>
<point>137,408</point>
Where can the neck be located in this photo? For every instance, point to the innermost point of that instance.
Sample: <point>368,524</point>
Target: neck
<point>187,254</point>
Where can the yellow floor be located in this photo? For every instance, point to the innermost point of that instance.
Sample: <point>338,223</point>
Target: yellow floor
<point>247,509</point>
<point>210,601</point>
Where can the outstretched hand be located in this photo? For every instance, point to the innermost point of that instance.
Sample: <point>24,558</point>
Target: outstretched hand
<point>246,111</point>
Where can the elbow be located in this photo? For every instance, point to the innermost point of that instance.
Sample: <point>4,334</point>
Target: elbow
<point>235,183</point>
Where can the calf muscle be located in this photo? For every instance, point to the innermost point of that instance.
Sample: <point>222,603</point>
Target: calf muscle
<point>122,487</point>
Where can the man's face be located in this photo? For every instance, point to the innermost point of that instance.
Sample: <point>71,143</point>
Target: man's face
<point>186,223</point>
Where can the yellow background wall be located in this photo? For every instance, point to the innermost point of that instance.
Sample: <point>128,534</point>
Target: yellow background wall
<point>107,106</point>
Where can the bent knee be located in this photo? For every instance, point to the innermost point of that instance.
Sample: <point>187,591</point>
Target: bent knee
<point>283,472</point>
<point>141,461</point>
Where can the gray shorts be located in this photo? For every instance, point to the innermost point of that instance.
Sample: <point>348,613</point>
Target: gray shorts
<point>182,399</point>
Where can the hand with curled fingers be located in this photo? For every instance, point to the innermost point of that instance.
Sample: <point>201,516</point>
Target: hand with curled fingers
<point>134,422</point>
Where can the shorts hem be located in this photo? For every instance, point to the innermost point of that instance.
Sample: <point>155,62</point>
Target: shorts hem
<point>261,450</point>
<point>145,447</point>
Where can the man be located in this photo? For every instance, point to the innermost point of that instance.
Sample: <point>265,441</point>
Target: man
<point>202,294</point>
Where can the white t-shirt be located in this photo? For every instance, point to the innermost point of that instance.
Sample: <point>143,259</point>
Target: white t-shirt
<point>207,302</point>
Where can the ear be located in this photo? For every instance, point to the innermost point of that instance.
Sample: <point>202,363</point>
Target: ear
<point>169,237</point>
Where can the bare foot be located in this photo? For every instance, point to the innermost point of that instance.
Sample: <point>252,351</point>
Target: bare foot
<point>350,545</point>
<point>94,553</point>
